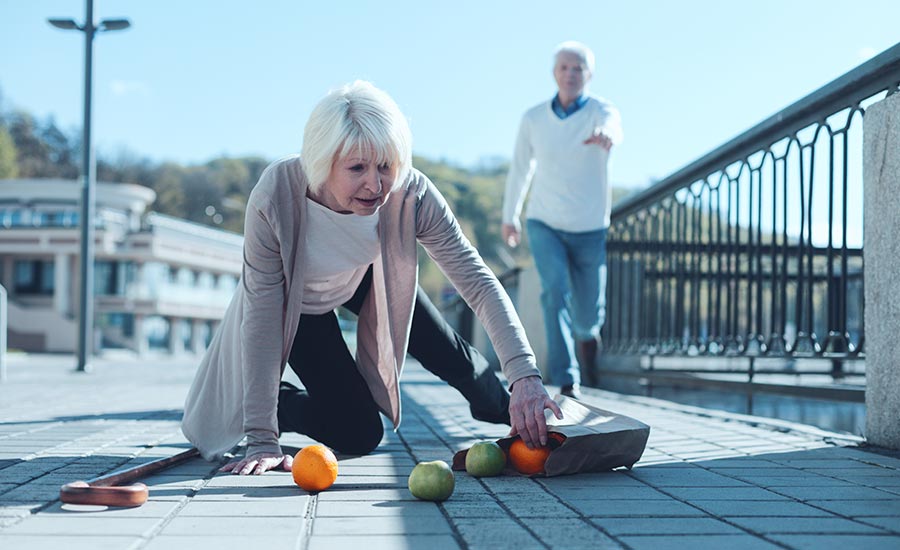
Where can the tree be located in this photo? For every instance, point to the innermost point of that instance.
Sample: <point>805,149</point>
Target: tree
<point>9,167</point>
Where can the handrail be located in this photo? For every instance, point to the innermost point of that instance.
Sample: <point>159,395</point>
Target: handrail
<point>877,74</point>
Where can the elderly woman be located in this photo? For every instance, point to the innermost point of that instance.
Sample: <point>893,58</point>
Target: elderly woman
<point>338,226</point>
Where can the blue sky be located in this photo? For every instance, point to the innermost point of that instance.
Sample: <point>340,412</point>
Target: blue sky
<point>196,79</point>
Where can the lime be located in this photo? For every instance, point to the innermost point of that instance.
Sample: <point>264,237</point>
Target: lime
<point>485,459</point>
<point>431,481</point>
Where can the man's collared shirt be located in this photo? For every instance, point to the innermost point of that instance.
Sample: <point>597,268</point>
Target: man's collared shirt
<point>572,109</point>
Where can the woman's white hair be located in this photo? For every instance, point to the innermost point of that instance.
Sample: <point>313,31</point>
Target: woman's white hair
<point>577,48</point>
<point>355,117</point>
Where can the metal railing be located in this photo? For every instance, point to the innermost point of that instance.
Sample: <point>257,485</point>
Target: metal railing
<point>754,250</point>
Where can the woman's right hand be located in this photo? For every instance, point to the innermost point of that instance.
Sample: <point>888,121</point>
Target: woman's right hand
<point>259,463</point>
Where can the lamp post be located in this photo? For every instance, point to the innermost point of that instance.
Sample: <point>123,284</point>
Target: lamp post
<point>88,177</point>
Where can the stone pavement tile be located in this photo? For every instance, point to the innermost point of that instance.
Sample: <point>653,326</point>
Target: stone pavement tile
<point>589,492</point>
<point>882,482</point>
<point>843,473</point>
<point>724,468</point>
<point>271,492</point>
<point>268,479</point>
<point>150,509</point>
<point>566,534</point>
<point>375,469</point>
<point>741,463</point>
<point>839,542</point>
<point>364,494</point>
<point>617,478</point>
<point>512,484</point>
<point>49,542</point>
<point>222,542</point>
<point>404,508</point>
<point>813,526</point>
<point>379,542</point>
<point>381,525</point>
<point>371,481</point>
<point>737,508</point>
<point>495,533</point>
<point>83,526</point>
<point>697,542</point>
<point>800,481</point>
<point>540,507</point>
<point>293,507</point>
<point>890,523</point>
<point>684,477</point>
<point>635,508</point>
<point>666,526</point>
<point>723,493</point>
<point>835,493</point>
<point>480,508</point>
<point>277,526</point>
<point>854,508</point>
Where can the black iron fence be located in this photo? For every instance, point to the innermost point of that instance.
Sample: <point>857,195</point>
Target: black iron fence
<point>754,250</point>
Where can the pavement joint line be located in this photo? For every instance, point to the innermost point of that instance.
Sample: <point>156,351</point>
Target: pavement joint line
<point>457,536</point>
<point>148,537</point>
<point>720,518</point>
<point>309,518</point>
<point>772,489</point>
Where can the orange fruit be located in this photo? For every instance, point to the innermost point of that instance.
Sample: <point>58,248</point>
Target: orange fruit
<point>531,461</point>
<point>315,468</point>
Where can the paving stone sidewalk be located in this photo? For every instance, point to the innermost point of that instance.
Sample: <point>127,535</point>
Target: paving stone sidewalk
<point>707,479</point>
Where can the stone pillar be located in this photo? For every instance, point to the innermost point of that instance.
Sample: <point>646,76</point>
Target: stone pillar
<point>62,279</point>
<point>140,339</point>
<point>176,344</point>
<point>881,180</point>
<point>198,342</point>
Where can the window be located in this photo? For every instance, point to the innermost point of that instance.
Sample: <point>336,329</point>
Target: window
<point>34,277</point>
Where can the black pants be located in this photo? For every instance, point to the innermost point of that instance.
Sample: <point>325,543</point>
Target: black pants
<point>337,408</point>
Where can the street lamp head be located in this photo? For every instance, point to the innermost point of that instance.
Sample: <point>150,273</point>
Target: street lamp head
<point>65,24</point>
<point>114,24</point>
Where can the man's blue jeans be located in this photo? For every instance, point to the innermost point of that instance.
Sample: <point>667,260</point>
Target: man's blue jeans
<point>572,269</point>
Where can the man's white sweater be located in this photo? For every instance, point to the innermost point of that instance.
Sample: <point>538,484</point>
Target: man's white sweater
<point>567,177</point>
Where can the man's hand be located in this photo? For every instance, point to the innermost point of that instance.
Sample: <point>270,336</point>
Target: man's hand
<point>258,463</point>
<point>601,139</point>
<point>511,235</point>
<point>526,411</point>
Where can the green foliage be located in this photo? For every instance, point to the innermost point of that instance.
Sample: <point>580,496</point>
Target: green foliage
<point>9,168</point>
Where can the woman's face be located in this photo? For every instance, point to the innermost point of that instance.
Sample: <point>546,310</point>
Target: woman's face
<point>357,185</point>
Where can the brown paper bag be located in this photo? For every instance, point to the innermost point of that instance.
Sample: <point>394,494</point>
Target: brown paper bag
<point>596,440</point>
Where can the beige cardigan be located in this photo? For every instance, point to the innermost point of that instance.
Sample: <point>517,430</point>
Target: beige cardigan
<point>235,391</point>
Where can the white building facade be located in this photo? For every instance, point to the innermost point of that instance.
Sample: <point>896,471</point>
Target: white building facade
<point>160,283</point>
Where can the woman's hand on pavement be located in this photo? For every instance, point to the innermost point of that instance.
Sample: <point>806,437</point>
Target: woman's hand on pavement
<point>526,411</point>
<point>259,463</point>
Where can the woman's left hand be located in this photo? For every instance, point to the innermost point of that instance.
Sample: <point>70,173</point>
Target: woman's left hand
<point>526,411</point>
<point>258,463</point>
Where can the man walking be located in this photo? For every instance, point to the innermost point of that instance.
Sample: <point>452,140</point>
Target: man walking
<point>561,153</point>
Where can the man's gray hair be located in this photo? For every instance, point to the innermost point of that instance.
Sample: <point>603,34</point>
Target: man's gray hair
<point>355,117</point>
<point>577,48</point>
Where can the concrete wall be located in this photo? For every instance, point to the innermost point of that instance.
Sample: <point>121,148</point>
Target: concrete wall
<point>881,177</point>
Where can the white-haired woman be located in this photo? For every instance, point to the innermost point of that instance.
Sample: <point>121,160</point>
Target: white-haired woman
<point>338,226</point>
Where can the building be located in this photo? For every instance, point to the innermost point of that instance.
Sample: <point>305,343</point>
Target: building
<point>159,282</point>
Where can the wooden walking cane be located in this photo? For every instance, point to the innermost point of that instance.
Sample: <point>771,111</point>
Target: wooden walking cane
<point>108,490</point>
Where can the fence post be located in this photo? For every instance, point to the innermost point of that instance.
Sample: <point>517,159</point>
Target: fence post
<point>881,181</point>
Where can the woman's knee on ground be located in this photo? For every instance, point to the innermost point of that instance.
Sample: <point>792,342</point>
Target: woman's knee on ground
<point>355,434</point>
